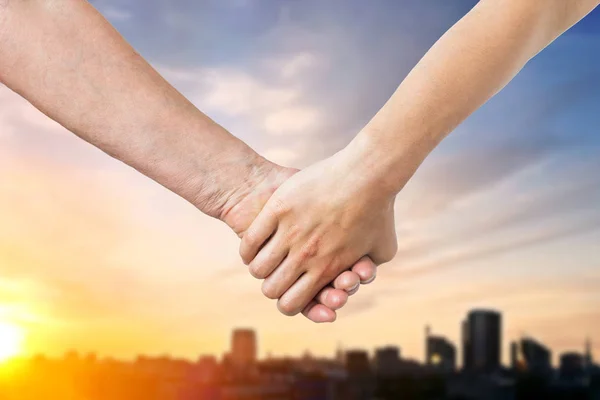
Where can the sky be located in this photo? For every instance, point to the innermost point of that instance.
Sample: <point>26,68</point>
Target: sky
<point>504,214</point>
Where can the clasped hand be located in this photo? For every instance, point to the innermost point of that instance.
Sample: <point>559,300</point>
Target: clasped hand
<point>314,235</point>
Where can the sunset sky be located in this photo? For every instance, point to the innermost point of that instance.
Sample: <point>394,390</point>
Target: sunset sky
<point>504,214</point>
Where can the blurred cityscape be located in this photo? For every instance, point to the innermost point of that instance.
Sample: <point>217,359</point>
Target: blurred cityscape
<point>350,374</point>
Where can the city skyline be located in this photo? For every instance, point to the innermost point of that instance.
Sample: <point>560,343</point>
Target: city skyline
<point>504,214</point>
<point>353,374</point>
<point>245,343</point>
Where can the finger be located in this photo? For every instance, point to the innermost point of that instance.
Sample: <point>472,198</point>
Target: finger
<point>347,281</point>
<point>301,293</point>
<point>366,269</point>
<point>261,229</point>
<point>269,257</point>
<point>332,298</point>
<point>282,278</point>
<point>319,313</point>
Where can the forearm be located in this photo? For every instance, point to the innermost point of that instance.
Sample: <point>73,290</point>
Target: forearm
<point>475,59</point>
<point>67,60</point>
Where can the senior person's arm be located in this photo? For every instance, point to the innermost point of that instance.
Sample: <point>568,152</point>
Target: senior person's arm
<point>329,215</point>
<point>67,60</point>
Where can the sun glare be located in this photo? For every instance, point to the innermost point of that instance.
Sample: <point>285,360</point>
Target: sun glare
<point>11,340</point>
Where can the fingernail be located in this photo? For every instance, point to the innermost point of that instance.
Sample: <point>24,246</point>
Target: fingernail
<point>353,291</point>
<point>369,281</point>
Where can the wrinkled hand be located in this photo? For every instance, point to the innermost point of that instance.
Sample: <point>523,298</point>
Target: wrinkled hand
<point>334,295</point>
<point>315,226</point>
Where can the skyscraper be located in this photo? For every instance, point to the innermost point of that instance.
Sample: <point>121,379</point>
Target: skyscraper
<point>466,353</point>
<point>243,347</point>
<point>441,354</point>
<point>482,338</point>
<point>515,357</point>
<point>387,360</point>
<point>357,363</point>
<point>572,366</point>
<point>532,356</point>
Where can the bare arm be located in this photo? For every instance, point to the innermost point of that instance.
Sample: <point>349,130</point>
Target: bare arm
<point>474,60</point>
<point>336,211</point>
<point>67,60</point>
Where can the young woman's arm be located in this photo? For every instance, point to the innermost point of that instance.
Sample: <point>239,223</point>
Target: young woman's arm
<point>472,62</point>
<point>329,215</point>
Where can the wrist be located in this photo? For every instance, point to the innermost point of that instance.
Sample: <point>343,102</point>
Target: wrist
<point>218,184</point>
<point>387,159</point>
<point>201,162</point>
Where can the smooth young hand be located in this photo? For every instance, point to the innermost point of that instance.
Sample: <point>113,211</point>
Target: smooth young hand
<point>242,208</point>
<point>315,226</point>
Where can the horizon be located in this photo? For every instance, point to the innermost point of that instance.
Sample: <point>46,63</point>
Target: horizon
<point>220,357</point>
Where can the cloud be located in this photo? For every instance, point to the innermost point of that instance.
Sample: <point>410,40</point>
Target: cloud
<point>296,65</point>
<point>292,120</point>
<point>461,255</point>
<point>239,94</point>
<point>116,14</point>
<point>515,205</point>
<point>15,110</point>
<point>269,108</point>
<point>357,305</point>
<point>456,176</point>
<point>530,290</point>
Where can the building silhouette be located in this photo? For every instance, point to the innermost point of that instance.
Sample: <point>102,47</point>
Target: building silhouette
<point>440,353</point>
<point>529,355</point>
<point>243,348</point>
<point>357,363</point>
<point>387,360</point>
<point>360,383</point>
<point>482,338</point>
<point>466,347</point>
<point>572,366</point>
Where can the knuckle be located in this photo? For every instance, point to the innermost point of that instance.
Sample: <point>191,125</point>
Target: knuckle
<point>279,207</point>
<point>257,269</point>
<point>287,308</point>
<point>310,249</point>
<point>250,239</point>
<point>245,251</point>
<point>243,255</point>
<point>292,233</point>
<point>268,290</point>
<point>332,268</point>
